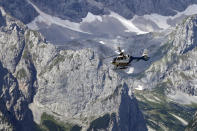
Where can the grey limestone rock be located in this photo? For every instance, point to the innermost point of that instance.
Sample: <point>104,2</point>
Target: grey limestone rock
<point>19,9</point>
<point>73,86</point>
<point>177,68</point>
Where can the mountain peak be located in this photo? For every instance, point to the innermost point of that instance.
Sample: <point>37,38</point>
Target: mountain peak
<point>186,35</point>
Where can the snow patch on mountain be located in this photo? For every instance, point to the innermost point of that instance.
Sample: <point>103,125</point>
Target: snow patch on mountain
<point>182,98</point>
<point>157,99</point>
<point>49,20</point>
<point>127,23</point>
<point>102,42</point>
<point>2,11</point>
<point>180,119</point>
<point>150,129</point>
<point>90,19</point>
<point>140,88</point>
<point>191,10</point>
<point>164,22</point>
<point>160,20</point>
<point>151,100</point>
<point>130,70</point>
<point>96,24</point>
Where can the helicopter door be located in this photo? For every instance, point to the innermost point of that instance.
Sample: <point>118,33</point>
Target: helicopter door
<point>122,60</point>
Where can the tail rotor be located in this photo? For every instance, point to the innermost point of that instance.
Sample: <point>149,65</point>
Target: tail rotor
<point>145,55</point>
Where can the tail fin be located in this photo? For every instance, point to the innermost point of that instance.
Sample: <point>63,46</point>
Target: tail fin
<point>145,55</point>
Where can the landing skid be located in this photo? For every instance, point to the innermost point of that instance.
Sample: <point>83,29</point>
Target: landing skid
<point>120,68</point>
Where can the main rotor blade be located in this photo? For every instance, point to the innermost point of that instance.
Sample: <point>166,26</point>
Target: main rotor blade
<point>110,56</point>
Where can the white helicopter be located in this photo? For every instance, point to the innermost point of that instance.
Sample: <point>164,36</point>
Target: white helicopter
<point>122,61</point>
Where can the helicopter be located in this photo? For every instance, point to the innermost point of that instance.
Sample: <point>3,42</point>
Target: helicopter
<point>122,60</point>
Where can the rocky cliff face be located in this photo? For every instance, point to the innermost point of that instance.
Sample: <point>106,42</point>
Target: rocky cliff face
<point>19,9</point>
<point>4,124</point>
<point>192,126</point>
<point>177,68</point>
<point>74,87</point>
<point>136,7</point>
<point>18,80</point>
<point>71,10</point>
<point>127,8</point>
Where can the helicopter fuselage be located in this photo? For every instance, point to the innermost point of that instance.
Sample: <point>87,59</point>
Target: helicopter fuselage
<point>121,61</point>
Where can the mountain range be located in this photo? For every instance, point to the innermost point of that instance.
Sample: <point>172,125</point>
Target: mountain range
<point>53,75</point>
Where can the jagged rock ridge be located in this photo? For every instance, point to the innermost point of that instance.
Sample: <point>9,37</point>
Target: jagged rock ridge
<point>73,86</point>
<point>177,68</point>
<point>19,9</point>
<point>78,9</point>
<point>192,126</point>
<point>75,10</point>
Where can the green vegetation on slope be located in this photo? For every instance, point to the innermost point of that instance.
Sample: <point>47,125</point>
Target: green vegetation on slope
<point>159,111</point>
<point>192,126</point>
<point>48,123</point>
<point>21,73</point>
<point>56,61</point>
<point>100,123</point>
